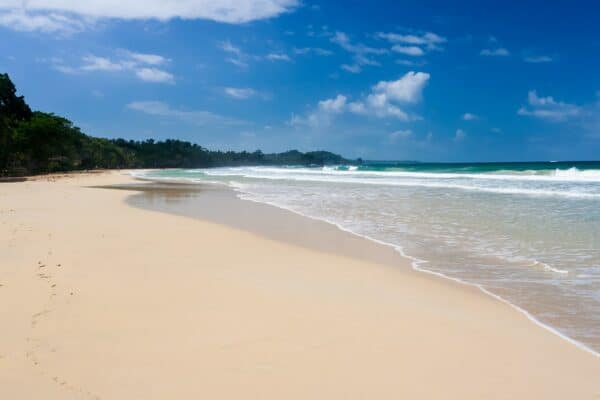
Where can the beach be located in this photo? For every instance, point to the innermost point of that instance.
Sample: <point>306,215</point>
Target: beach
<point>103,298</point>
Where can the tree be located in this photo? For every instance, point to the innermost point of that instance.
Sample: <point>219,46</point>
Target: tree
<point>12,107</point>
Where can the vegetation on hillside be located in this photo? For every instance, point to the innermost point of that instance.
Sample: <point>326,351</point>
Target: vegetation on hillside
<point>35,142</point>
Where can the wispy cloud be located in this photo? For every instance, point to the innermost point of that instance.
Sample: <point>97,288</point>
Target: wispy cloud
<point>278,57</point>
<point>196,117</point>
<point>312,50</point>
<point>144,58</point>
<point>352,68</point>
<point>428,39</point>
<point>538,59</point>
<point>469,117</point>
<point>400,134</point>
<point>408,50</point>
<point>496,52</point>
<point>237,56</point>
<point>459,135</point>
<point>414,44</point>
<point>95,63</point>
<point>243,93</point>
<point>154,75</point>
<point>69,16</point>
<point>19,19</point>
<point>547,108</point>
<point>360,52</point>
<point>142,65</point>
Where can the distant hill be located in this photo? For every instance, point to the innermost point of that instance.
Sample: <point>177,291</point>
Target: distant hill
<point>34,142</point>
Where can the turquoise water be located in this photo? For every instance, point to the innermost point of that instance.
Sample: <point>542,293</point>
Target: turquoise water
<point>527,232</point>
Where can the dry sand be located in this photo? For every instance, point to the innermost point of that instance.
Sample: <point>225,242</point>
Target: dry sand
<point>101,300</point>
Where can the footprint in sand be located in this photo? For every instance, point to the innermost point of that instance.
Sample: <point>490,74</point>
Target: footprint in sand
<point>37,345</point>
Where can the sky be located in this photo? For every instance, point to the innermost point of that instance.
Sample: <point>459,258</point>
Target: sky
<point>388,80</point>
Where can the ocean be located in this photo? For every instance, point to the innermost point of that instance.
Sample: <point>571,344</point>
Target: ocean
<point>526,233</point>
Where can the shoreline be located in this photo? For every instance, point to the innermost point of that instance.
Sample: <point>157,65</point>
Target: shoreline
<point>104,300</point>
<point>414,263</point>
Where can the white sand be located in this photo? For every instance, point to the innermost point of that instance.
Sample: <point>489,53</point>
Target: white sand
<point>146,305</point>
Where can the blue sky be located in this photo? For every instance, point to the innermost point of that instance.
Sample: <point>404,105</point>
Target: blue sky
<point>427,81</point>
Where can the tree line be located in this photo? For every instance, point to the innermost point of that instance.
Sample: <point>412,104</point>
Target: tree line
<point>35,142</point>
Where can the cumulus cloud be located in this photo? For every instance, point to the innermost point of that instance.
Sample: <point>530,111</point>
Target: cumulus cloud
<point>142,65</point>
<point>407,89</point>
<point>469,117</point>
<point>324,113</point>
<point>387,99</point>
<point>196,117</point>
<point>335,105</point>
<point>499,52</point>
<point>547,108</point>
<point>71,15</point>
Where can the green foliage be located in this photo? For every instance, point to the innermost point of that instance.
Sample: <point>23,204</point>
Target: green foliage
<point>37,142</point>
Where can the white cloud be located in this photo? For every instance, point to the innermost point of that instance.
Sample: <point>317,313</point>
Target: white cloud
<point>499,52</point>
<point>95,63</point>
<point>385,101</point>
<point>408,50</point>
<point>538,59</point>
<point>358,51</point>
<point>19,20</point>
<point>314,50</point>
<point>198,117</point>
<point>278,57</point>
<point>411,63</point>
<point>407,89</point>
<point>150,59</point>
<point>469,117</point>
<point>142,65</point>
<point>68,16</point>
<point>226,46</point>
<point>401,134</point>
<point>352,68</point>
<point>238,57</point>
<point>240,93</point>
<point>154,75</point>
<point>324,113</point>
<point>335,105</point>
<point>237,62</point>
<point>428,39</point>
<point>548,109</point>
<point>384,97</point>
<point>459,135</point>
<point>341,39</point>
